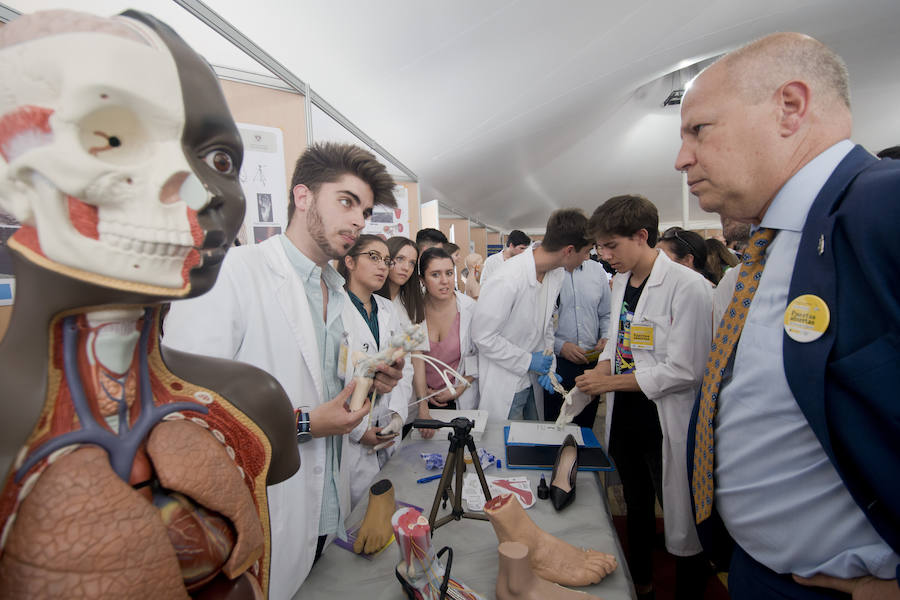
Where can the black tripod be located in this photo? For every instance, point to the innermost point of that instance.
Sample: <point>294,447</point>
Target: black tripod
<point>460,438</point>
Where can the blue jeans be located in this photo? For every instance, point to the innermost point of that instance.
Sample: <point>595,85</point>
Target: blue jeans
<point>523,406</point>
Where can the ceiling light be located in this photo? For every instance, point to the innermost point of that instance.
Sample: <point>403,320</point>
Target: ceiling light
<point>674,97</point>
<point>680,80</point>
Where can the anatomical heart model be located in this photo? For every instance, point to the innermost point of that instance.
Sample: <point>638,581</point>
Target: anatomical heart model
<point>129,470</point>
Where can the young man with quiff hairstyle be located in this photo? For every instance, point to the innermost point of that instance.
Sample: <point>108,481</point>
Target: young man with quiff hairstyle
<point>281,306</point>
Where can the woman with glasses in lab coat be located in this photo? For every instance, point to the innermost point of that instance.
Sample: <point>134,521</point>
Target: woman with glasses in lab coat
<point>376,320</point>
<point>402,286</point>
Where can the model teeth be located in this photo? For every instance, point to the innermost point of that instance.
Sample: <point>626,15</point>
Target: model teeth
<point>144,240</point>
<point>145,248</point>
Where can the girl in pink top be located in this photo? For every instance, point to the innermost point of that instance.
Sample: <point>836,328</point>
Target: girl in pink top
<point>443,319</point>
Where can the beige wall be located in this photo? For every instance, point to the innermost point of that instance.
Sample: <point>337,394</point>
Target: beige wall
<point>479,236</point>
<point>429,215</point>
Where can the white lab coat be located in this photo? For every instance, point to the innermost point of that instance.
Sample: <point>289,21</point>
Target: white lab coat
<point>364,466</point>
<point>678,303</point>
<point>423,347</point>
<point>723,294</point>
<point>491,265</point>
<point>507,327</point>
<point>258,313</point>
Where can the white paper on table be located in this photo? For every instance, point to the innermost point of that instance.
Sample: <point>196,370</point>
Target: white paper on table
<point>520,487</point>
<point>523,432</point>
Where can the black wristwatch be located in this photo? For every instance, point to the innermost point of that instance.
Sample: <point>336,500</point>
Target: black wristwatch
<point>303,433</point>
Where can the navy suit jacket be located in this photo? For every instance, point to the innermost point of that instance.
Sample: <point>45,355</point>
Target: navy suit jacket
<point>847,382</point>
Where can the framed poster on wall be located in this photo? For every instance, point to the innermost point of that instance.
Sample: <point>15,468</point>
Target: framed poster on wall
<point>264,183</point>
<point>388,222</point>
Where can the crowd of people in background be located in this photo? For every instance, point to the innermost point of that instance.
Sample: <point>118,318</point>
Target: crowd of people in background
<point>656,339</point>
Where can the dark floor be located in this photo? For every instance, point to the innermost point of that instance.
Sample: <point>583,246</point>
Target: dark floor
<point>664,563</point>
<point>664,567</point>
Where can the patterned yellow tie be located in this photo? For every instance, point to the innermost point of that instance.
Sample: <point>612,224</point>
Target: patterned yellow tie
<point>723,346</point>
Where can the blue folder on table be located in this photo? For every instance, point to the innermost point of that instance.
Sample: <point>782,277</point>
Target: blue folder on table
<point>542,457</point>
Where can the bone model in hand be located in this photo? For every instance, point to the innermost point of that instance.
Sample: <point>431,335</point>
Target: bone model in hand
<point>364,365</point>
<point>574,402</point>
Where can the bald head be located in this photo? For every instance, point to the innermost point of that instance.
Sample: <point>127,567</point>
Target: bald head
<point>759,68</point>
<point>753,119</point>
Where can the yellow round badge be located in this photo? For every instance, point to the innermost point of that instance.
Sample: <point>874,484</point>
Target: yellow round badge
<point>806,318</point>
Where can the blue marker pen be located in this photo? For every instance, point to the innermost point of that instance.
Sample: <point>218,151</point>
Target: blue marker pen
<point>427,479</point>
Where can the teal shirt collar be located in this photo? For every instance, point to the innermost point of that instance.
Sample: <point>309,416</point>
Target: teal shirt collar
<point>371,320</point>
<point>307,269</point>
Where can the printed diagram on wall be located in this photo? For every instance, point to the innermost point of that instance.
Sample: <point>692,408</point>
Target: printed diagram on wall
<point>388,222</point>
<point>264,183</point>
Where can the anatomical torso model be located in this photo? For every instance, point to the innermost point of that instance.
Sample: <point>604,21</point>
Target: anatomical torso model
<point>131,470</point>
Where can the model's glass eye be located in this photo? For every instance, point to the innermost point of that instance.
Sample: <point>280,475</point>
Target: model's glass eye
<point>220,161</point>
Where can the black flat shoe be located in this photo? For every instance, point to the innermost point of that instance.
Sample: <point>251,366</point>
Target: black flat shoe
<point>562,482</point>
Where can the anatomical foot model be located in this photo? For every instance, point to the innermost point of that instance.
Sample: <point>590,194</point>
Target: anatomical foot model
<point>517,581</point>
<point>375,531</point>
<point>550,557</point>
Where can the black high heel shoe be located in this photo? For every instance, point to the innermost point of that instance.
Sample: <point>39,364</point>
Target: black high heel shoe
<point>562,482</point>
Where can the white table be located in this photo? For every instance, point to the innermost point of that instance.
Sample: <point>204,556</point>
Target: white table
<point>584,523</point>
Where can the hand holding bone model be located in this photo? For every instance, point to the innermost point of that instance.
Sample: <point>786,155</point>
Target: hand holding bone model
<point>365,366</point>
<point>574,402</point>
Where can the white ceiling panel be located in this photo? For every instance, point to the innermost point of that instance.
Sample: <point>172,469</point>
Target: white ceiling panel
<point>506,110</point>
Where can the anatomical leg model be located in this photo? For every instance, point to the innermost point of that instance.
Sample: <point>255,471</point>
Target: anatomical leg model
<point>550,557</point>
<point>130,470</point>
<point>418,564</point>
<point>419,567</point>
<point>375,531</point>
<point>517,581</point>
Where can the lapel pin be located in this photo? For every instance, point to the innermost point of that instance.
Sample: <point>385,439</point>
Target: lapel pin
<point>821,247</point>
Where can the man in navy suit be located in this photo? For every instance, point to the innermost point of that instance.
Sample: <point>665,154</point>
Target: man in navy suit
<point>807,433</point>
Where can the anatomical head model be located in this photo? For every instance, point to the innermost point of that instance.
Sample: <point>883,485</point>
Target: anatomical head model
<point>120,158</point>
<point>129,470</point>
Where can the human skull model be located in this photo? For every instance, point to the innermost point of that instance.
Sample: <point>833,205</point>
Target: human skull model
<point>102,164</point>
